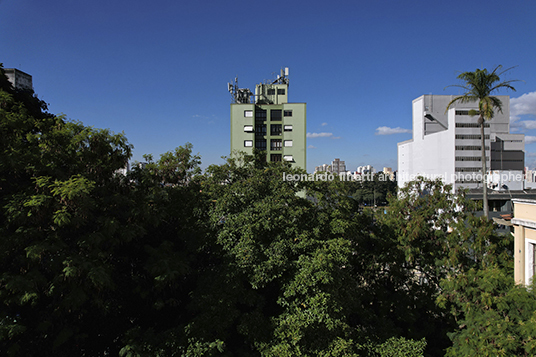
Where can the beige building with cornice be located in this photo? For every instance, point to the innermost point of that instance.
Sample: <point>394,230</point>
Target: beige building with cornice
<point>524,222</point>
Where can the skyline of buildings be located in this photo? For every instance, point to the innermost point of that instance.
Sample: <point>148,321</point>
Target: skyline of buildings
<point>507,150</point>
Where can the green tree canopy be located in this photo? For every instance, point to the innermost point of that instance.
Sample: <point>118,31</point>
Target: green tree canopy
<point>169,261</point>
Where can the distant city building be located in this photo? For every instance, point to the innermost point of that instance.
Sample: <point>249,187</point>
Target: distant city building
<point>323,168</point>
<point>19,79</point>
<point>366,169</point>
<point>269,122</point>
<point>389,172</point>
<point>446,145</point>
<point>338,166</point>
<point>530,175</point>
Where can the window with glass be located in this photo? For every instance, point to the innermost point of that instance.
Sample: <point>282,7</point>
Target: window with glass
<point>275,129</point>
<point>248,143</point>
<point>275,157</point>
<point>260,129</point>
<point>260,144</point>
<point>287,113</point>
<point>275,114</point>
<point>260,114</point>
<point>248,113</point>
<point>275,144</point>
<point>533,259</point>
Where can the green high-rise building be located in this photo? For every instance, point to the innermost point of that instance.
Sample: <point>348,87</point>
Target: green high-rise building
<point>269,122</point>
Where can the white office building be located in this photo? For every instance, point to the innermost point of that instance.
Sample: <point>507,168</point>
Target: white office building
<point>446,145</point>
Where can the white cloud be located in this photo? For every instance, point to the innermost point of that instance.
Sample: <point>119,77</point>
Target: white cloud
<point>324,124</point>
<point>385,130</point>
<point>526,104</point>
<point>319,135</point>
<point>530,139</point>
<point>311,147</point>
<point>527,124</point>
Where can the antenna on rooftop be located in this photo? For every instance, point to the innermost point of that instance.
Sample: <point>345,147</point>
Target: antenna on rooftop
<point>283,77</point>
<point>239,95</point>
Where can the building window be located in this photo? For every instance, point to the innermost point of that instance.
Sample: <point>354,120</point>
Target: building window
<point>248,113</point>
<point>470,147</point>
<point>275,129</point>
<point>260,114</point>
<point>275,144</point>
<point>470,158</point>
<point>260,144</point>
<point>260,130</point>
<point>471,125</point>
<point>466,112</point>
<point>281,91</point>
<point>471,137</point>
<point>468,169</point>
<point>288,143</point>
<point>533,260</point>
<point>275,157</point>
<point>248,143</point>
<point>271,91</point>
<point>248,128</point>
<point>275,114</point>
<point>288,158</point>
<point>287,113</point>
<point>287,128</point>
<point>530,262</point>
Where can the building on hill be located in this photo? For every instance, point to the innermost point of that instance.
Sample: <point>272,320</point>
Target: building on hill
<point>267,121</point>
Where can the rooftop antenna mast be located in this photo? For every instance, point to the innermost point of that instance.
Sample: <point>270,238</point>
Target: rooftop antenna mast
<point>239,95</point>
<point>282,78</point>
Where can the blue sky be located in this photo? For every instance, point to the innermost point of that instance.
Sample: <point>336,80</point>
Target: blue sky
<point>158,70</point>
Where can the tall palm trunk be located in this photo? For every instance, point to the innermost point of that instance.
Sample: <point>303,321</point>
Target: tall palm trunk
<point>484,171</point>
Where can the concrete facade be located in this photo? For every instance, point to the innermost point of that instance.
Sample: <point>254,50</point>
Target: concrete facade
<point>446,144</point>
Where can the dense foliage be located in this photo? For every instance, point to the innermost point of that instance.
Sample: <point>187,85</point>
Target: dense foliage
<point>372,189</point>
<point>169,261</point>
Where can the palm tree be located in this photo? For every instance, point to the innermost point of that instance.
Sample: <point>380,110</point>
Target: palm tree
<point>479,85</point>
